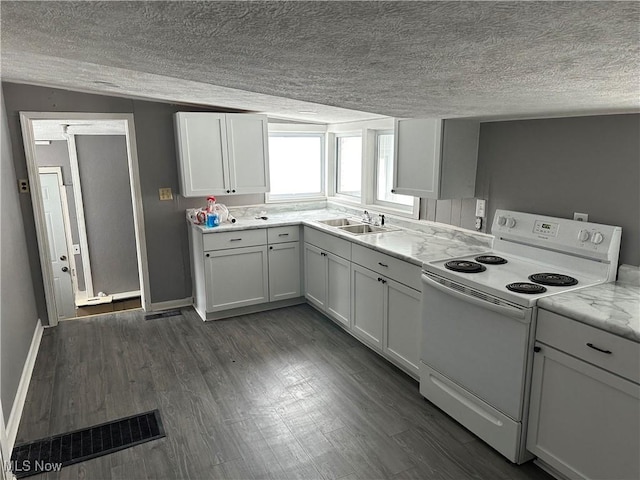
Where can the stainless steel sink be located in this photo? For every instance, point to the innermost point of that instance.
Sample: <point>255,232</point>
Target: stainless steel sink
<point>362,228</point>
<point>340,222</point>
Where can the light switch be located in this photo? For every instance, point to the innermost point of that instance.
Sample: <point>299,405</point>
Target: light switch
<point>166,194</point>
<point>480,207</point>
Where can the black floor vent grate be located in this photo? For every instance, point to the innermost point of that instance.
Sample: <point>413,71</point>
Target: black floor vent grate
<point>168,313</point>
<point>53,453</point>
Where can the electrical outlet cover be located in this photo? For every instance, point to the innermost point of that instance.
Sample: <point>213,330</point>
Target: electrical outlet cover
<point>166,194</point>
<point>581,217</point>
<point>23,185</point>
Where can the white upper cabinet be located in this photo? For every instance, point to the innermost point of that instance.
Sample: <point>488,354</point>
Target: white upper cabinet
<point>222,154</point>
<point>435,158</point>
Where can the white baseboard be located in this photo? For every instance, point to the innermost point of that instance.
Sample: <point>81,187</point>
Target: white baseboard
<point>159,306</point>
<point>23,387</point>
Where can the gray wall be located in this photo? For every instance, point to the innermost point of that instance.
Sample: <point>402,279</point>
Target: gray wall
<point>566,165</point>
<point>106,198</point>
<point>57,155</point>
<point>18,315</point>
<point>165,226</point>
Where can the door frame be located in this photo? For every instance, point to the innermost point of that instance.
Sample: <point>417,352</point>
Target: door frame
<point>67,224</point>
<point>26,121</point>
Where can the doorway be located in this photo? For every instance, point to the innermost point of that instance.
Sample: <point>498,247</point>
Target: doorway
<point>85,189</point>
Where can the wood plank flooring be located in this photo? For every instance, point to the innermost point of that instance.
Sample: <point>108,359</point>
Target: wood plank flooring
<point>284,394</point>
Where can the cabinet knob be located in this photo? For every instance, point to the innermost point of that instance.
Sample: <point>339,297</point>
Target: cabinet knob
<point>228,191</point>
<point>270,248</point>
<point>233,191</point>
<point>207,255</point>
<point>536,349</point>
<point>393,190</point>
<point>64,269</point>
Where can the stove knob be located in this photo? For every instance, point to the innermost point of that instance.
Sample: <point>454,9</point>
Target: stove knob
<point>502,220</point>
<point>583,235</point>
<point>511,222</point>
<point>597,238</point>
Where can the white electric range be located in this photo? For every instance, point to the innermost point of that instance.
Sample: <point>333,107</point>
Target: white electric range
<point>479,314</point>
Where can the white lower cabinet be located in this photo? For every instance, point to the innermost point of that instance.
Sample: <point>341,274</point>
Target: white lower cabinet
<point>386,316</point>
<point>368,305</point>
<point>236,277</point>
<point>284,271</point>
<point>327,283</point>
<point>584,421</point>
<point>402,328</point>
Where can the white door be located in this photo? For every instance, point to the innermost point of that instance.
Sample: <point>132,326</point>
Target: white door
<point>247,139</point>
<point>402,331</point>
<point>315,276</point>
<point>368,305</point>
<point>202,147</point>
<point>284,271</point>
<point>338,289</point>
<point>50,184</point>
<point>237,277</point>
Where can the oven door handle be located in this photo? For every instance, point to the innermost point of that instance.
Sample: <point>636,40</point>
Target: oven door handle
<point>512,312</point>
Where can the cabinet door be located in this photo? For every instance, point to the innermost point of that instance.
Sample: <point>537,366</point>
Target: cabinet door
<point>368,305</point>
<point>236,277</point>
<point>583,421</point>
<point>201,144</point>
<point>284,271</point>
<point>247,139</point>
<point>338,288</point>
<point>403,322</point>
<point>416,164</point>
<point>315,275</point>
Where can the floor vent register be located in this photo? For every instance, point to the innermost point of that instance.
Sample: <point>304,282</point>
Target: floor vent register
<point>58,451</point>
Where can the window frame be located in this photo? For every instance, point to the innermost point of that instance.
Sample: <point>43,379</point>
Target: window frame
<point>352,199</point>
<point>394,207</point>
<point>302,130</point>
<point>368,130</point>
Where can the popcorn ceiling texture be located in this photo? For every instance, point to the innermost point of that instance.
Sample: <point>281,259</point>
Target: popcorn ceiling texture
<point>404,59</point>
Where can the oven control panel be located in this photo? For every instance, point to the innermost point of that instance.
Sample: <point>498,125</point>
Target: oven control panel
<point>593,240</point>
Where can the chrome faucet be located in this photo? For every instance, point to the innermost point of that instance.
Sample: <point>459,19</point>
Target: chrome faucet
<point>366,218</point>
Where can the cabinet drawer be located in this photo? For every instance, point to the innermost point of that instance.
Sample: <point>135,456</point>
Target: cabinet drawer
<point>283,234</point>
<point>391,267</point>
<point>327,242</point>
<point>574,338</point>
<point>236,239</point>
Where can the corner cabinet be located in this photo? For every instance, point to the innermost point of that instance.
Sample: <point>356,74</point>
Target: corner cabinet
<point>435,158</point>
<point>244,271</point>
<point>584,418</point>
<point>222,153</point>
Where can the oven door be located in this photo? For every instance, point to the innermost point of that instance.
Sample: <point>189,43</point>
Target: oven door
<point>477,341</point>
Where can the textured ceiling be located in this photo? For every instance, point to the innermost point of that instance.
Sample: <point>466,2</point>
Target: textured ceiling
<point>350,60</point>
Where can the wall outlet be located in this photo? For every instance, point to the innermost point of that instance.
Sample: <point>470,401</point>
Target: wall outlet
<point>581,217</point>
<point>166,194</point>
<point>480,207</point>
<point>23,185</point>
<point>478,223</point>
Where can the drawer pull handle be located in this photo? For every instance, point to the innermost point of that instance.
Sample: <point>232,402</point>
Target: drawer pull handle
<point>283,234</point>
<point>591,345</point>
<point>383,265</point>
<point>235,239</point>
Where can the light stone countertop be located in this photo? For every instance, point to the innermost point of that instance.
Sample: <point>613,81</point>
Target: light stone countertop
<point>409,245</point>
<point>614,307</point>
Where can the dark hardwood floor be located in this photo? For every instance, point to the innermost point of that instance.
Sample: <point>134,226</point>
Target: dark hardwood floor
<point>281,394</point>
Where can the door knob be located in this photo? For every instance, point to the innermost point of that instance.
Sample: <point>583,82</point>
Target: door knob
<point>65,269</point>
<point>63,258</point>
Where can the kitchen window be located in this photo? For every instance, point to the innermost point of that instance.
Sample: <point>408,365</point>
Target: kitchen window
<point>296,165</point>
<point>349,165</point>
<point>384,175</point>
